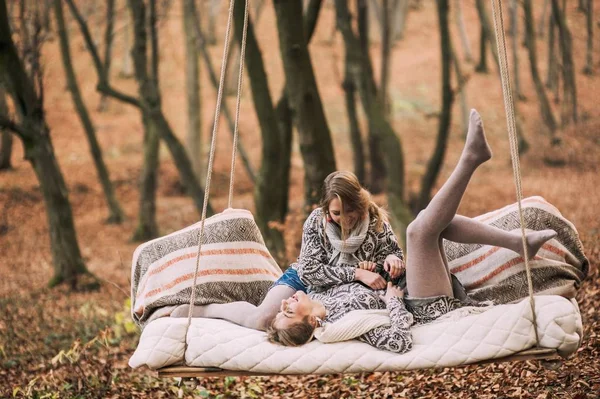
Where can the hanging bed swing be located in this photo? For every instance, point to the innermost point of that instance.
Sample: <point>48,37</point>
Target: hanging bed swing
<point>164,275</point>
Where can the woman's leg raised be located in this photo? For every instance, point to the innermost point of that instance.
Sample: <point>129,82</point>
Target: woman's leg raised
<point>426,271</point>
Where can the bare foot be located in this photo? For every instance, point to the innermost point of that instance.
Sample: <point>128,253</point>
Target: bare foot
<point>535,240</point>
<point>476,148</point>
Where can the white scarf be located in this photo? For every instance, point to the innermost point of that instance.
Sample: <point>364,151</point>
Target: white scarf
<point>343,250</point>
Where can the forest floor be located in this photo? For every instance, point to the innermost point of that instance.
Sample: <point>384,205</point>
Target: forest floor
<point>60,344</point>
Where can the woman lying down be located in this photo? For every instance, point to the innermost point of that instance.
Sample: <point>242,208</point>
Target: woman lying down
<point>431,291</point>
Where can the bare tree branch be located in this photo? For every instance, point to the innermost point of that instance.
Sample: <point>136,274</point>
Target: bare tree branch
<point>103,82</point>
<point>9,124</point>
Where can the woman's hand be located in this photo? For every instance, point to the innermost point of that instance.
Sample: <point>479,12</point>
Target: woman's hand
<point>367,265</point>
<point>369,278</point>
<point>394,266</point>
<point>392,292</point>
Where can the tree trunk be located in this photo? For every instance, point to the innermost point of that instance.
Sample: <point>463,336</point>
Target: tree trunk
<point>543,20</point>
<point>126,61</point>
<point>267,196</point>
<point>115,212</point>
<point>489,30</point>
<point>569,113</point>
<point>582,6</point>
<point>305,101</point>
<point>552,75</point>
<point>482,67</point>
<point>545,109</point>
<point>589,66</point>
<point>151,104</point>
<point>25,41</point>
<point>386,47</point>
<point>437,159</point>
<point>89,13</point>
<point>400,15</point>
<point>393,156</point>
<point>108,40</point>
<point>192,87</point>
<point>147,227</point>
<point>66,256</point>
<point>378,170</point>
<point>6,138</point>
<point>514,36</point>
<point>460,23</point>
<point>214,7</point>
<point>355,136</point>
<point>224,108</point>
<point>461,83</point>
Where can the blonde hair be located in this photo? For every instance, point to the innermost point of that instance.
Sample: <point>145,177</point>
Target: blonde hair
<point>345,186</point>
<point>295,335</point>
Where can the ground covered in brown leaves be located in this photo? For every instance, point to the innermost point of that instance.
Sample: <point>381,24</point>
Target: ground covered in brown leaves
<point>59,344</point>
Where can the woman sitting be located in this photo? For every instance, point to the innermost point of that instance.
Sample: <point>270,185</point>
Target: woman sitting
<point>429,284</point>
<point>330,253</point>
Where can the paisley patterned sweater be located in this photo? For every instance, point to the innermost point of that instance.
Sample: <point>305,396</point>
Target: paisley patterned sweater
<point>313,263</point>
<point>342,299</point>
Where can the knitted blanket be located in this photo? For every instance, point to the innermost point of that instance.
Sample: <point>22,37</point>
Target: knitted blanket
<point>498,274</point>
<point>234,265</point>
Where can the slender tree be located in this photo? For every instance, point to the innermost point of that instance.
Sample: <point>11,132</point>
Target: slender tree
<point>355,135</point>
<point>378,170</point>
<point>543,20</point>
<point>6,138</point>
<point>386,50</point>
<point>214,80</point>
<point>545,109</point>
<point>214,7</point>
<point>514,36</point>
<point>570,113</point>
<point>108,41</point>
<point>552,74</point>
<point>459,19</point>
<point>399,11</point>
<point>115,212</point>
<point>487,26</point>
<point>393,156</point>
<point>126,71</point>
<point>268,196</point>
<point>589,58</point>
<point>192,87</point>
<point>305,101</point>
<point>437,159</point>
<point>461,80</point>
<point>35,135</point>
<point>482,66</point>
<point>149,100</point>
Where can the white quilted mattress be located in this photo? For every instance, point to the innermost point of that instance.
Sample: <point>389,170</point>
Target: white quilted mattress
<point>500,331</point>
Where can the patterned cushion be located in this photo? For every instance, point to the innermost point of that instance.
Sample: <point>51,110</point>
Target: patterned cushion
<point>234,265</point>
<point>498,274</point>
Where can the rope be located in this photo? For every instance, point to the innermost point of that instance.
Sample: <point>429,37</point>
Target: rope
<point>237,105</point>
<point>514,145</point>
<point>210,163</point>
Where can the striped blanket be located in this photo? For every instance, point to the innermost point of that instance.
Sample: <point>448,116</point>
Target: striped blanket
<point>234,265</point>
<point>498,274</point>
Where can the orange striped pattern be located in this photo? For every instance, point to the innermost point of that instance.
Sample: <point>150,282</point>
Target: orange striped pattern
<point>497,271</point>
<point>211,272</point>
<point>476,261</point>
<point>210,252</point>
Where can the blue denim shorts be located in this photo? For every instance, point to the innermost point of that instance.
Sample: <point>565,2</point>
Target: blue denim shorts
<point>291,279</point>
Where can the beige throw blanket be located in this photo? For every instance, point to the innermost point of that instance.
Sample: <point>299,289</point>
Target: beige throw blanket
<point>235,265</point>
